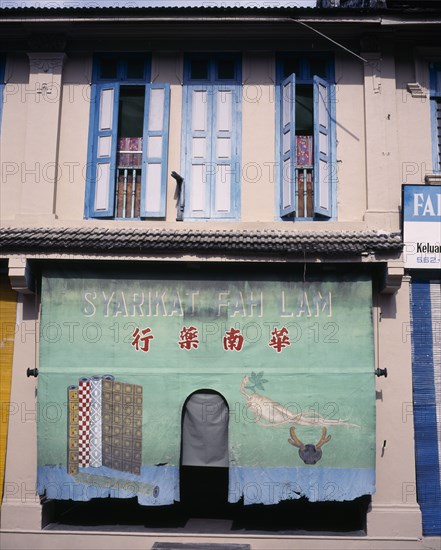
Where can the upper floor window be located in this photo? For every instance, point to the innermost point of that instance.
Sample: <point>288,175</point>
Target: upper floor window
<point>211,132</point>
<point>128,140</point>
<point>435,100</point>
<point>306,136</point>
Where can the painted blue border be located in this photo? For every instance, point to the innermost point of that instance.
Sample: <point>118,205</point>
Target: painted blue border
<point>424,409</point>
<point>305,77</point>
<point>213,84</point>
<point>273,485</point>
<point>155,486</point>
<point>160,485</point>
<point>97,85</point>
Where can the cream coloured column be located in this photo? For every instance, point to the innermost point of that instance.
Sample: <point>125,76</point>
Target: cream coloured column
<point>42,100</point>
<point>21,509</point>
<point>394,511</point>
<point>382,154</point>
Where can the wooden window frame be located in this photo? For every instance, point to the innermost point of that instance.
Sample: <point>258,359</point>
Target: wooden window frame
<point>321,194</point>
<point>101,198</point>
<point>204,198</point>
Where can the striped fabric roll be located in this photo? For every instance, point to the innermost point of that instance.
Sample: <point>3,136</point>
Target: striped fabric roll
<point>72,429</point>
<point>96,421</point>
<point>117,447</point>
<point>84,422</point>
<point>107,416</point>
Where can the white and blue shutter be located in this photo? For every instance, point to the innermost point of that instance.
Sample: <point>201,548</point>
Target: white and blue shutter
<point>212,179</point>
<point>199,168</point>
<point>155,151</point>
<point>322,148</point>
<point>102,168</point>
<point>288,145</point>
<point>225,177</point>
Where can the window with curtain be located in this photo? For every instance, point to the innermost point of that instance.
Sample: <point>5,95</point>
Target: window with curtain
<point>306,144</point>
<point>128,140</point>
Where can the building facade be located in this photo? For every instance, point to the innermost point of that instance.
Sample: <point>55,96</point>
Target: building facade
<point>201,229</point>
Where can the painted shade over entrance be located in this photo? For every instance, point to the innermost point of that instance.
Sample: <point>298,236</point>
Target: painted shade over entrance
<point>121,353</point>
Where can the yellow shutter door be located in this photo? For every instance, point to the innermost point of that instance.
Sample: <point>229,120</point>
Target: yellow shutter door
<point>8,306</point>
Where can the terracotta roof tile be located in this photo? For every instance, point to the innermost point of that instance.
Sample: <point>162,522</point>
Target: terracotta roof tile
<point>231,242</point>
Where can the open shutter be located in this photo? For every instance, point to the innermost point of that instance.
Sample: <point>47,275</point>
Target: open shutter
<point>225,162</point>
<point>155,151</point>
<point>322,148</point>
<point>199,169</point>
<point>102,167</point>
<point>287,143</point>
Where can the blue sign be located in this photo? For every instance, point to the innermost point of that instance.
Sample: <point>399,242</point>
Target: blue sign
<point>422,203</point>
<point>422,226</point>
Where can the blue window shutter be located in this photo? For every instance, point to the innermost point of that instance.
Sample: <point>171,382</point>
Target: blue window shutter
<point>102,164</point>
<point>288,146</point>
<point>155,151</point>
<point>199,172</point>
<point>225,165</point>
<point>322,149</point>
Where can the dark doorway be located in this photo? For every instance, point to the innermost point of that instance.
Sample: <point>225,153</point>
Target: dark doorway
<point>204,454</point>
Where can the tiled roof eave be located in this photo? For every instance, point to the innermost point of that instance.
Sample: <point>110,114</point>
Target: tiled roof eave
<point>121,241</point>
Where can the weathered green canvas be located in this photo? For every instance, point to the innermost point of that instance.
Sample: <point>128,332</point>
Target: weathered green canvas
<point>293,358</point>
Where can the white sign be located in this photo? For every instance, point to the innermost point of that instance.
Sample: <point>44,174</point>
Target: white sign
<point>422,226</point>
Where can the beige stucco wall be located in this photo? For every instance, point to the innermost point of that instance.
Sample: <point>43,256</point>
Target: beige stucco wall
<point>394,513</point>
<point>376,151</point>
<point>413,123</point>
<point>350,166</point>
<point>73,141</point>
<point>258,138</point>
<point>21,507</point>
<point>13,156</point>
<point>376,121</point>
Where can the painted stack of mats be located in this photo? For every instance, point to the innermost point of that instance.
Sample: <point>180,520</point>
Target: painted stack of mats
<point>104,425</point>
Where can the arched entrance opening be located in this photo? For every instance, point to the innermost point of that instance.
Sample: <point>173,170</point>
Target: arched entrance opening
<point>204,453</point>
